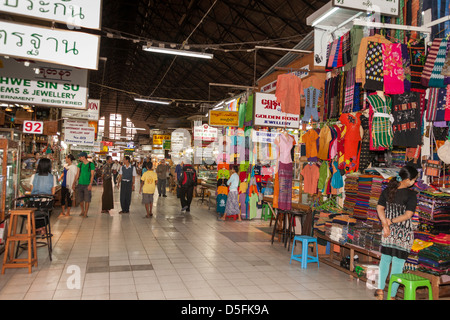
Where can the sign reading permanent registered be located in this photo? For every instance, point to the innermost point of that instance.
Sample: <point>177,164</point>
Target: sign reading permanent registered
<point>79,13</point>
<point>384,7</point>
<point>43,84</point>
<point>69,48</point>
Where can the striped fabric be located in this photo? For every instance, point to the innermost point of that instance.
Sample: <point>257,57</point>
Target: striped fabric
<point>382,135</point>
<point>429,64</point>
<point>436,78</point>
<point>418,57</point>
<point>349,91</point>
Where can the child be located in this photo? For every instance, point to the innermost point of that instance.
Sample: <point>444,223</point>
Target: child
<point>148,185</point>
<point>396,207</point>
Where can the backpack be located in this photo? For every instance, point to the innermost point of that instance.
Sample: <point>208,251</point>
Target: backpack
<point>189,178</point>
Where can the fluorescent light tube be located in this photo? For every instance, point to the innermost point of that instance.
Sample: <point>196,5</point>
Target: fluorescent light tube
<point>179,52</point>
<point>152,101</point>
<point>326,15</point>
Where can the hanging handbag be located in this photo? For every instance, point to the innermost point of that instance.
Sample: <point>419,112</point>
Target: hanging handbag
<point>432,168</point>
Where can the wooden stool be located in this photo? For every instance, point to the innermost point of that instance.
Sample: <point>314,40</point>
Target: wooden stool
<point>13,238</point>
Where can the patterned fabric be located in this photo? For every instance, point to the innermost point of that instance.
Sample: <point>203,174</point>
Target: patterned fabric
<point>436,78</point>
<point>107,171</point>
<point>349,91</point>
<point>447,105</point>
<point>446,68</point>
<point>285,174</point>
<point>374,67</point>
<point>381,129</point>
<point>393,68</point>
<point>406,61</point>
<point>406,127</point>
<point>436,104</point>
<point>429,64</point>
<point>366,156</point>
<point>232,206</point>
<point>418,57</point>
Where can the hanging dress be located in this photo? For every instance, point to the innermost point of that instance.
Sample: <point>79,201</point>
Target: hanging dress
<point>381,120</point>
<point>352,139</point>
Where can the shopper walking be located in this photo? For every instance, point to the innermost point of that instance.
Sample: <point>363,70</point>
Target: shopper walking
<point>232,206</point>
<point>84,179</point>
<point>396,207</point>
<point>69,174</point>
<point>187,183</point>
<point>148,186</point>
<point>107,177</point>
<point>127,176</point>
<point>162,171</point>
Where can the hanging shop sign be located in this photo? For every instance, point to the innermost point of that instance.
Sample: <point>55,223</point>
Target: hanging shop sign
<point>264,136</point>
<point>177,141</point>
<point>79,132</point>
<point>92,112</point>
<point>43,84</point>
<point>76,49</point>
<point>159,138</point>
<point>166,145</point>
<point>146,147</point>
<point>79,13</point>
<point>33,127</point>
<point>383,7</point>
<point>268,113</point>
<point>223,118</point>
<point>205,133</point>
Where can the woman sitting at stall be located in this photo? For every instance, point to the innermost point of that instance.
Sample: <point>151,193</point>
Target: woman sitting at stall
<point>43,182</point>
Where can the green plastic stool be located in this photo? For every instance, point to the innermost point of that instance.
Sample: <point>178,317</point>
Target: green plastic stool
<point>266,214</point>
<point>411,282</point>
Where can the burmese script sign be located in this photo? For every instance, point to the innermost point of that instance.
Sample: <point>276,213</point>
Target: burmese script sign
<point>79,13</point>
<point>43,84</point>
<point>268,113</point>
<point>384,7</point>
<point>68,48</point>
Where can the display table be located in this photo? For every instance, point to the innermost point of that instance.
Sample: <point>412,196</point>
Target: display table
<point>440,287</point>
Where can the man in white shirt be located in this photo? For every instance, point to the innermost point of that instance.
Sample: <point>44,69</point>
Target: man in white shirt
<point>127,176</point>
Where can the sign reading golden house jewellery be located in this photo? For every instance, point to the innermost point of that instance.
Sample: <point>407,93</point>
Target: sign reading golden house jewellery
<point>70,48</point>
<point>79,13</point>
<point>268,113</point>
<point>43,84</point>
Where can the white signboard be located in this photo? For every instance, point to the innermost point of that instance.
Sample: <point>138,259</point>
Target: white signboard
<point>91,114</point>
<point>79,135</point>
<point>177,139</point>
<point>205,133</point>
<point>33,127</point>
<point>383,7</point>
<point>76,49</point>
<point>42,84</point>
<point>80,13</point>
<point>264,136</point>
<point>268,113</point>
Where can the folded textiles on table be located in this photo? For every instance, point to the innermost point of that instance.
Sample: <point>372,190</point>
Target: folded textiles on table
<point>435,258</point>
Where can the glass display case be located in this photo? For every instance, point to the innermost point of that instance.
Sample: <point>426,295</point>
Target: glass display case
<point>10,172</point>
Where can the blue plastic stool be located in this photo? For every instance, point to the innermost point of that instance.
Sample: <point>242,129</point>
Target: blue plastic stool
<point>304,258</point>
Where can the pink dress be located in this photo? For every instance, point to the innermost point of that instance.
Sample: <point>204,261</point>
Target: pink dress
<point>393,69</point>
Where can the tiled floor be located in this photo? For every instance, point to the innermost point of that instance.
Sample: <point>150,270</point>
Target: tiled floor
<point>170,256</point>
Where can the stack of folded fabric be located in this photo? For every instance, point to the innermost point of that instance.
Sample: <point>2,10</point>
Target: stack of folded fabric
<point>398,157</point>
<point>337,233</point>
<point>351,192</point>
<point>375,193</point>
<point>435,259</point>
<point>363,196</point>
<point>433,211</point>
<point>319,222</point>
<point>413,259</point>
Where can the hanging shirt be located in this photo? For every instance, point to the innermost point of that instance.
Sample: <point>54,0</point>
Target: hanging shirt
<point>311,176</point>
<point>324,142</point>
<point>310,139</point>
<point>289,88</point>
<point>285,146</point>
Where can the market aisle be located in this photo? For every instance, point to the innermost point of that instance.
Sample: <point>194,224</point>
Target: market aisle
<point>171,256</point>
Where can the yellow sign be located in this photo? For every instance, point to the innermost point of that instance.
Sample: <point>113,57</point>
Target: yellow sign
<point>223,118</point>
<point>159,138</point>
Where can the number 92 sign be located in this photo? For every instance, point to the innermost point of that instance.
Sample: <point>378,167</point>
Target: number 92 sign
<point>33,127</point>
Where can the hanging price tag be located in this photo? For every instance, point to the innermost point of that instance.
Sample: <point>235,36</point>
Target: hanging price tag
<point>33,127</point>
